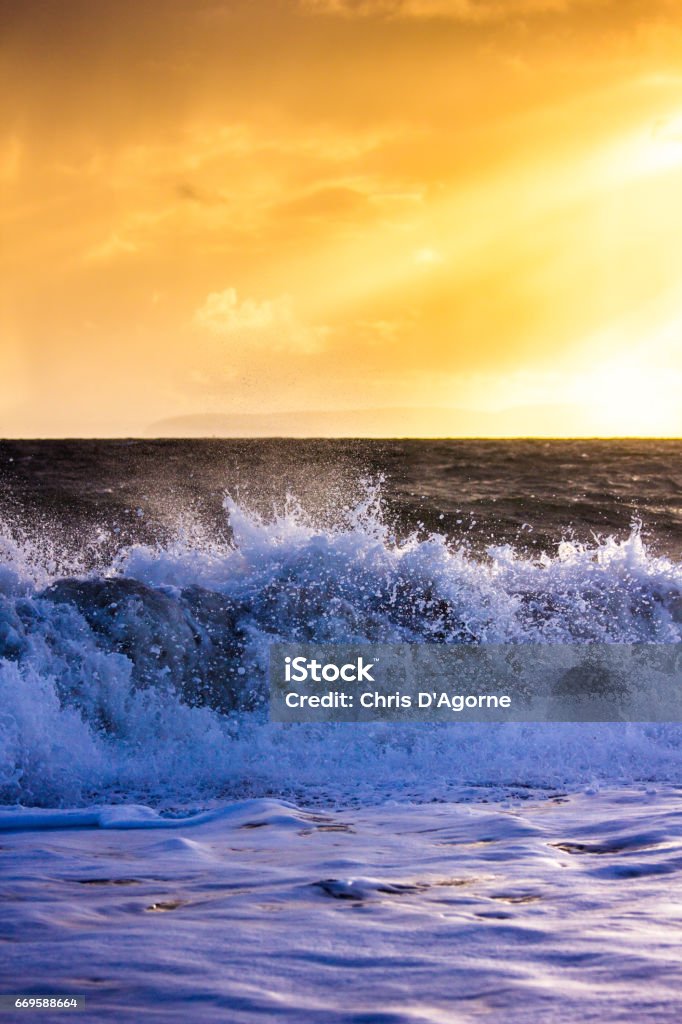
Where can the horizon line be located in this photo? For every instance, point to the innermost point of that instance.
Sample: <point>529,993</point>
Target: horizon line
<point>346,437</point>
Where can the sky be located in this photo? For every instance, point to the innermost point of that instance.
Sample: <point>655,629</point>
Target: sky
<point>379,217</point>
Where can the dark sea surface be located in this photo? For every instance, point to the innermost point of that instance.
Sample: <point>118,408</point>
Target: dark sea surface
<point>529,493</point>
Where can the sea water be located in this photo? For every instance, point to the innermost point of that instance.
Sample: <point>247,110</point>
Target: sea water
<point>169,852</point>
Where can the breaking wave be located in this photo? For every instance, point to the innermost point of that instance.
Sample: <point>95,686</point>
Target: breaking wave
<point>145,678</point>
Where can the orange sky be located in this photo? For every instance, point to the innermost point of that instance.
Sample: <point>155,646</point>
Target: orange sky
<point>457,216</point>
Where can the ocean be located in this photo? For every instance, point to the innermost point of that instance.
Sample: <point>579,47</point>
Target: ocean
<point>169,853</point>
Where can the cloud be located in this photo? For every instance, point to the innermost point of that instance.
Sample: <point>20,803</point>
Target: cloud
<point>327,203</point>
<point>271,324</point>
<point>11,152</point>
<point>110,249</point>
<point>455,10</point>
<point>428,257</point>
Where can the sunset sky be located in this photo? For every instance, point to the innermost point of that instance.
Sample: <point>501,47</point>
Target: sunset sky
<point>341,216</point>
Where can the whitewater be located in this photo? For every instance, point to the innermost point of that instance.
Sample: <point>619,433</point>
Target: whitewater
<point>148,679</point>
<point>168,852</point>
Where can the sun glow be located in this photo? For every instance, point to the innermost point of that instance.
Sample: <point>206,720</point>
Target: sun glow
<point>657,150</point>
<point>627,399</point>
